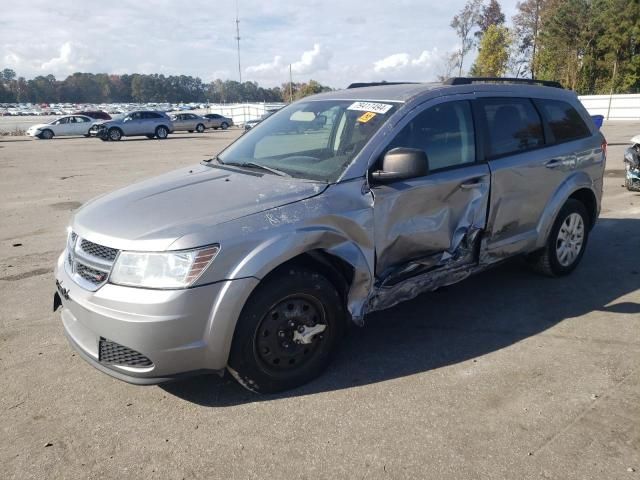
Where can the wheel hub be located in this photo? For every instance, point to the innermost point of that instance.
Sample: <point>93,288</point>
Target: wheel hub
<point>290,333</point>
<point>570,239</point>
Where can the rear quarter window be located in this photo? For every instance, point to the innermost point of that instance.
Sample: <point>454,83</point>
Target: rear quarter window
<point>565,123</point>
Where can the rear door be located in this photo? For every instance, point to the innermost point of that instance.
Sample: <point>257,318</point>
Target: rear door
<point>433,222</point>
<point>525,173</point>
<point>77,125</point>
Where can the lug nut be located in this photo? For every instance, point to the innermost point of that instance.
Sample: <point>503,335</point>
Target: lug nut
<point>281,333</point>
<point>292,323</point>
<point>300,328</point>
<point>285,344</point>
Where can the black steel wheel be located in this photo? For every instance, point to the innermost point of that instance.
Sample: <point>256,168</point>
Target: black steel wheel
<point>287,332</point>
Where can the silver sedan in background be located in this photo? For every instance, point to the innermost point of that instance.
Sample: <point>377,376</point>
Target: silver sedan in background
<point>219,121</point>
<point>190,122</point>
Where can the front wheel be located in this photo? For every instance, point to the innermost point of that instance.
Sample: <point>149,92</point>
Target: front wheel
<point>46,134</point>
<point>162,132</point>
<point>567,241</point>
<point>114,134</point>
<point>287,331</point>
<point>199,128</point>
<point>224,125</point>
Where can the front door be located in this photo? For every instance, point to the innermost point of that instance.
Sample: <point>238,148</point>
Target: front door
<point>433,222</point>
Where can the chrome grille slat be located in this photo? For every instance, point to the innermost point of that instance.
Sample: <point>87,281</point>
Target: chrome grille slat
<point>89,263</point>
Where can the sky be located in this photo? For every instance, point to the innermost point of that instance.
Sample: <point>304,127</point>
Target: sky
<point>334,42</point>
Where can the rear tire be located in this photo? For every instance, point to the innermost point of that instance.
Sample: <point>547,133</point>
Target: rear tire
<point>269,352</point>
<point>199,128</point>
<point>162,132</point>
<point>567,241</point>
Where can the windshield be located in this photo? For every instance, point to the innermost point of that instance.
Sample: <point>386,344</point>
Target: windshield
<point>315,140</point>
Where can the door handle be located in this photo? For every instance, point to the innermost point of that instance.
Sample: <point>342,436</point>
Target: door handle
<point>553,163</point>
<point>473,183</point>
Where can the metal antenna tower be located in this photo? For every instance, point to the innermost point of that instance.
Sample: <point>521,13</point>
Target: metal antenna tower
<point>238,40</point>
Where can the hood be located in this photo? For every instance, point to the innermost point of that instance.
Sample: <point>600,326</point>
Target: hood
<point>38,126</point>
<point>157,212</point>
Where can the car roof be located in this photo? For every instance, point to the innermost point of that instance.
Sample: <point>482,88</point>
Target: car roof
<point>405,92</point>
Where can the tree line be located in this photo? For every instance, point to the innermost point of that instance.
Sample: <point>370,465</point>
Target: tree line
<point>591,46</point>
<point>141,88</point>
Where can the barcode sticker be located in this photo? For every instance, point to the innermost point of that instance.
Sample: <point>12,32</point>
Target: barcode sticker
<point>370,107</point>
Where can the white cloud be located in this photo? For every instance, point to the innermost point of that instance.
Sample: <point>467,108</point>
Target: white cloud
<point>269,67</point>
<point>71,58</point>
<point>397,60</point>
<point>402,61</point>
<point>312,61</point>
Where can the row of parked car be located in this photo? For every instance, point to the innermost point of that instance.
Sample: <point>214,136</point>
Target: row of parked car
<point>149,123</point>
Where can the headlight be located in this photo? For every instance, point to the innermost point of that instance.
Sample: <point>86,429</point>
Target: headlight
<point>162,270</point>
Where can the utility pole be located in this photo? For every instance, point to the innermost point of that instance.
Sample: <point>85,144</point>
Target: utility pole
<point>290,85</point>
<point>238,40</point>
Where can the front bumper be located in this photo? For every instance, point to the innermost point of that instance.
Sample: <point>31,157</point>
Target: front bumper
<point>98,131</point>
<point>182,332</point>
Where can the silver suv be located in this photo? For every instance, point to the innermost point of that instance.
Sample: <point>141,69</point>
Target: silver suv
<point>338,205</point>
<point>150,124</point>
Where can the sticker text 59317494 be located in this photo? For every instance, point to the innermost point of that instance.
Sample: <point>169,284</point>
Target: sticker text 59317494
<point>370,107</point>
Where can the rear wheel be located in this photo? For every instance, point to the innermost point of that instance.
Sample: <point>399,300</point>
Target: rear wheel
<point>199,128</point>
<point>567,241</point>
<point>46,134</point>
<point>287,331</point>
<point>162,132</point>
<point>114,134</point>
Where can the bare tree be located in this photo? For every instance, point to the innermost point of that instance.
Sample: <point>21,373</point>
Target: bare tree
<point>527,24</point>
<point>463,23</point>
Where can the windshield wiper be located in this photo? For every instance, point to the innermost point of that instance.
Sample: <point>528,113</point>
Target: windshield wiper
<point>262,167</point>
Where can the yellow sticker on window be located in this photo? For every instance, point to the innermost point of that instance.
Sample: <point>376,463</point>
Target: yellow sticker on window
<point>365,117</point>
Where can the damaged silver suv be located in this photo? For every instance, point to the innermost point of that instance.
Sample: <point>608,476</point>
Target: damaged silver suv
<point>338,205</point>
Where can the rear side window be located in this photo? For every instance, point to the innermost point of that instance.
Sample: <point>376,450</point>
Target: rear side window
<point>564,121</point>
<point>150,115</point>
<point>513,125</point>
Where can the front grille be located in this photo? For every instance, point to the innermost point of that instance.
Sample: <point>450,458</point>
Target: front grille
<point>112,353</point>
<point>88,263</point>
<point>91,274</point>
<point>98,250</point>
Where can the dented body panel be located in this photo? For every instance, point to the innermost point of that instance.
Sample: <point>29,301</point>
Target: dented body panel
<point>399,239</point>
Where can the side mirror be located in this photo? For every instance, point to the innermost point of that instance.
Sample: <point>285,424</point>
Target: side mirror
<point>402,164</point>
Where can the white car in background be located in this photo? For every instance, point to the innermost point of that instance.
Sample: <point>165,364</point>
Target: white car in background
<point>62,127</point>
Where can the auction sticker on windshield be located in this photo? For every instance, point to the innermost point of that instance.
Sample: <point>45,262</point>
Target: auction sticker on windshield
<point>370,107</point>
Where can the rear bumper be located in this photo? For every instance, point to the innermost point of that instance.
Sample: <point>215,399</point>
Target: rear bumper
<point>182,332</point>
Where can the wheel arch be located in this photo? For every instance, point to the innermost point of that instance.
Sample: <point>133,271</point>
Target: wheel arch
<point>579,187</point>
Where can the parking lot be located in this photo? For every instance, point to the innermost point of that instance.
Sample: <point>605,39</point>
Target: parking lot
<point>505,375</point>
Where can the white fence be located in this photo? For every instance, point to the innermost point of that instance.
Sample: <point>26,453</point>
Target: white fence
<point>613,107</point>
<point>243,112</point>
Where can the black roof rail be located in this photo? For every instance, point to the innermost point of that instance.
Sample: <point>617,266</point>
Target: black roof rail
<point>526,81</point>
<point>376,84</point>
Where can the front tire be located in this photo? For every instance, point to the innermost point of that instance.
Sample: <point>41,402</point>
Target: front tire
<point>114,134</point>
<point>162,132</point>
<point>199,128</point>
<point>567,241</point>
<point>46,134</point>
<point>287,332</point>
<point>224,125</point>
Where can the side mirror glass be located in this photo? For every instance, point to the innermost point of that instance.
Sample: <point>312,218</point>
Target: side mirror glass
<point>402,164</point>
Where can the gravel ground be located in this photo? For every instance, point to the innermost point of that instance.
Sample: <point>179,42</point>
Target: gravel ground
<point>505,375</point>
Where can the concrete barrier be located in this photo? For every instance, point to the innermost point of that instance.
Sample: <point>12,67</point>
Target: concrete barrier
<point>613,107</point>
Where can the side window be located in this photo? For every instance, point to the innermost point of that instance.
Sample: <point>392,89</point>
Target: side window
<point>444,132</point>
<point>564,121</point>
<point>513,125</point>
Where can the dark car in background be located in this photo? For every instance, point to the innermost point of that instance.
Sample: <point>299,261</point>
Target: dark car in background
<point>97,114</point>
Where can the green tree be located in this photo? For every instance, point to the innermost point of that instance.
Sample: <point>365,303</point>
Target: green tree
<point>493,56</point>
<point>490,14</point>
